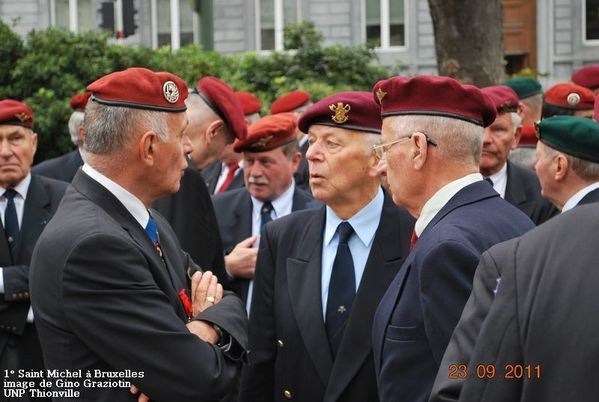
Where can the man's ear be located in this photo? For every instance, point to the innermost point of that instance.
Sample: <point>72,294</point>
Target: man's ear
<point>561,167</point>
<point>147,146</point>
<point>418,150</point>
<point>213,130</point>
<point>517,137</point>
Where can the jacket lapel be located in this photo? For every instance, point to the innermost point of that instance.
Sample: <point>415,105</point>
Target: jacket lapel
<point>514,189</point>
<point>303,280</point>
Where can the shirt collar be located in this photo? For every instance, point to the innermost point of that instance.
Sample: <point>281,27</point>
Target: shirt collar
<point>129,201</point>
<point>23,187</point>
<point>280,203</point>
<point>575,199</point>
<point>499,175</point>
<point>365,222</point>
<point>432,207</point>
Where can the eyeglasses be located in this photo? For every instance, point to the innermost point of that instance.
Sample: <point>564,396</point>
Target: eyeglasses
<point>381,150</point>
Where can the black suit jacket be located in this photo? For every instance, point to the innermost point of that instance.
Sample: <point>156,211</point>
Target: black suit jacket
<point>290,350</point>
<point>191,215</point>
<point>234,215</point>
<point>104,299</point>
<point>591,197</point>
<point>211,173</point>
<point>17,348</point>
<point>523,190</point>
<point>544,315</point>
<point>62,167</point>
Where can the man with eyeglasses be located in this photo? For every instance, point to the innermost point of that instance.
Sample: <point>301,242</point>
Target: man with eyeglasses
<point>431,147</point>
<point>321,272</point>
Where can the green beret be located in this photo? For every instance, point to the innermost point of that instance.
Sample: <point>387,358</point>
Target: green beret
<point>525,87</point>
<point>576,136</point>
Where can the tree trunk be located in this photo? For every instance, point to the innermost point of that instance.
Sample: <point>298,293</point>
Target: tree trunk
<point>468,40</point>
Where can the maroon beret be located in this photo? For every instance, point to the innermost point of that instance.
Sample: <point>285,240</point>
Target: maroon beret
<point>597,108</point>
<point>141,88</point>
<point>570,96</point>
<point>249,102</point>
<point>268,133</point>
<point>434,96</point>
<point>219,96</point>
<point>17,113</point>
<point>349,110</point>
<point>503,97</point>
<point>587,77</point>
<point>79,101</point>
<point>528,135</point>
<point>289,102</point>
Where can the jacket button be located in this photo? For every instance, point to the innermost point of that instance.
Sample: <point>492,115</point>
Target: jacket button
<point>13,329</point>
<point>287,394</point>
<point>280,343</point>
<point>26,294</point>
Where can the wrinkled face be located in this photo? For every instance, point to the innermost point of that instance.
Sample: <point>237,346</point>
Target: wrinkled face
<point>268,174</point>
<point>340,165</point>
<point>170,155</point>
<point>545,168</point>
<point>498,140</point>
<point>17,147</point>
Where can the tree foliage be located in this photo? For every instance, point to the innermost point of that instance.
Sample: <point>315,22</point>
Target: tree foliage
<point>54,64</point>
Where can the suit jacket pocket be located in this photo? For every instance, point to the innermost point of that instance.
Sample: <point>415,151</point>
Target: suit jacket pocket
<point>403,334</point>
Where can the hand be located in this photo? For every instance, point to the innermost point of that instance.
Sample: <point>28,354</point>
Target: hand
<point>142,397</point>
<point>241,261</point>
<point>203,330</point>
<point>205,291</point>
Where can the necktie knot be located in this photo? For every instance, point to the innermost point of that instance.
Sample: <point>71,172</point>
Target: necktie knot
<point>10,194</point>
<point>152,230</point>
<point>267,208</point>
<point>345,230</point>
<point>488,180</point>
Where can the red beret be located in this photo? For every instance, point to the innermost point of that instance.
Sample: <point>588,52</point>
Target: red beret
<point>219,96</point>
<point>289,102</point>
<point>528,135</point>
<point>503,97</point>
<point>597,108</point>
<point>570,96</point>
<point>16,113</point>
<point>587,77</point>
<point>434,96</point>
<point>268,133</point>
<point>349,110</point>
<point>249,102</point>
<point>141,88</point>
<point>79,101</point>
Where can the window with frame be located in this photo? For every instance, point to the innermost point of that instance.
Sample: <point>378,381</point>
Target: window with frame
<point>385,23</point>
<point>163,23</point>
<point>82,19</point>
<point>273,15</point>
<point>591,17</point>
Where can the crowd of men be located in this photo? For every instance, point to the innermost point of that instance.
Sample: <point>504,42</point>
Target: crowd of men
<point>424,241</point>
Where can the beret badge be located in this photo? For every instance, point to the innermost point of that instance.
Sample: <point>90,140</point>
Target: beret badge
<point>170,92</point>
<point>380,94</point>
<point>340,111</point>
<point>23,117</point>
<point>573,99</point>
<point>261,143</point>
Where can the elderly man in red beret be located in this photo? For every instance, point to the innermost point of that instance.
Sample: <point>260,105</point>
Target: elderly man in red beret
<point>108,276</point>
<point>568,99</point>
<point>432,146</point>
<point>65,166</point>
<point>27,203</point>
<point>321,272</point>
<point>270,158</point>
<point>517,185</point>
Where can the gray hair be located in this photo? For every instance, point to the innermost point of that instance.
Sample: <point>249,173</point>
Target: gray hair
<point>109,128</point>
<point>535,104</point>
<point>457,140</point>
<point>585,169</point>
<point>516,121</point>
<point>75,121</point>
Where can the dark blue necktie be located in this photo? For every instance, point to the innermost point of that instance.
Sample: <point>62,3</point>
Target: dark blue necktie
<point>265,212</point>
<point>11,222</point>
<point>152,232</point>
<point>488,180</point>
<point>342,289</point>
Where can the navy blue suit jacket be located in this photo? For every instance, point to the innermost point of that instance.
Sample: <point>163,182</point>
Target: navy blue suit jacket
<point>419,311</point>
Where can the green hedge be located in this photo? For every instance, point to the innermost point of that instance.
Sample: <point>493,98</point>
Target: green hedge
<point>54,64</point>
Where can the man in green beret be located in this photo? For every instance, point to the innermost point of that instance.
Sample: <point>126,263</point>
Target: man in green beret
<point>568,160</point>
<point>530,93</point>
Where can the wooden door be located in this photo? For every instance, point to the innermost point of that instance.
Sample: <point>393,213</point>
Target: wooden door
<point>520,34</point>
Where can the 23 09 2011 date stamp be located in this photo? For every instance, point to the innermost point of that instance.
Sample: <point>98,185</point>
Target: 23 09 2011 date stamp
<point>490,371</point>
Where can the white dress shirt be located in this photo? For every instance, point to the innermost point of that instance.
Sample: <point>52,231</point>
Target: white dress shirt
<point>499,180</point>
<point>575,199</point>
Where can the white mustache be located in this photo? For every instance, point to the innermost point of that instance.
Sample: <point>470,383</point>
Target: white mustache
<point>254,180</point>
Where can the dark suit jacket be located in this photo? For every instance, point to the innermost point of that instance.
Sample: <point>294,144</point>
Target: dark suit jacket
<point>19,346</point>
<point>211,173</point>
<point>234,215</point>
<point>459,351</point>
<point>104,299</point>
<point>523,190</point>
<point>302,175</point>
<point>290,350</point>
<point>191,214</point>
<point>417,315</point>
<point>62,167</point>
<point>544,315</point>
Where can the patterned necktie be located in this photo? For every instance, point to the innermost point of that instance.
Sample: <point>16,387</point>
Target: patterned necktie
<point>413,239</point>
<point>265,212</point>
<point>342,289</point>
<point>229,179</point>
<point>152,232</point>
<point>11,222</point>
